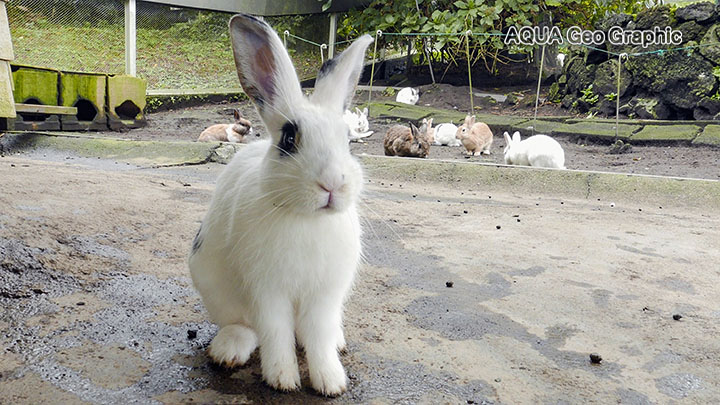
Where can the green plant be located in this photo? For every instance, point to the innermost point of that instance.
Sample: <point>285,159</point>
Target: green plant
<point>445,22</point>
<point>588,96</point>
<point>716,71</point>
<point>610,96</point>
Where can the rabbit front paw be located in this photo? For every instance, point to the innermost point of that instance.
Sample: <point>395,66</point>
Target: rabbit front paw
<point>329,378</point>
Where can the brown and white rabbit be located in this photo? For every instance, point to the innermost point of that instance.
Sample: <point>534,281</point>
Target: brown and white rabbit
<point>476,137</point>
<point>228,132</point>
<point>279,247</point>
<point>408,142</point>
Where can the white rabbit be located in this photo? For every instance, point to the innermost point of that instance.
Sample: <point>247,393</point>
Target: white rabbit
<point>279,247</point>
<point>536,151</point>
<point>445,135</point>
<point>561,59</point>
<point>407,95</point>
<point>358,123</point>
<point>363,124</point>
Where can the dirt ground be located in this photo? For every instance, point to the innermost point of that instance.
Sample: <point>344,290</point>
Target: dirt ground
<point>473,295</point>
<point>681,161</point>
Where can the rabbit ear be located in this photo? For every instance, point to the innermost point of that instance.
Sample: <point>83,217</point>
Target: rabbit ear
<point>365,111</point>
<point>414,130</point>
<point>508,141</point>
<point>237,114</point>
<point>516,136</point>
<point>265,70</point>
<point>337,78</point>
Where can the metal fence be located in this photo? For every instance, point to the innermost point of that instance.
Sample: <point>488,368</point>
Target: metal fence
<point>178,48</point>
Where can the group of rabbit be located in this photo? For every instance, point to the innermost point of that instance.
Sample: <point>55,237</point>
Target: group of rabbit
<point>477,138</point>
<point>242,131</point>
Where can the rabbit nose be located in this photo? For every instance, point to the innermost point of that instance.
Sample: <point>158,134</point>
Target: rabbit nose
<point>330,194</point>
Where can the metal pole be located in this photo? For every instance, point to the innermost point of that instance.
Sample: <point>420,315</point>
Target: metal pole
<point>332,36</point>
<point>130,38</point>
<point>537,94</point>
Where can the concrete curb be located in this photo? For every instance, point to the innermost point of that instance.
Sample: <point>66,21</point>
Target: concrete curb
<point>141,153</point>
<point>703,194</point>
<point>538,181</point>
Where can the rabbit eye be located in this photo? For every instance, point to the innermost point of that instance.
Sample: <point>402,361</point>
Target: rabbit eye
<point>289,139</point>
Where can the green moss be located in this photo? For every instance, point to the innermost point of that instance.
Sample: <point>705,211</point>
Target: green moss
<point>7,103</point>
<point>123,88</point>
<point>599,130</point>
<point>541,127</point>
<point>667,133</point>
<point>136,152</point>
<point>90,87</point>
<point>710,136</point>
<point>39,84</point>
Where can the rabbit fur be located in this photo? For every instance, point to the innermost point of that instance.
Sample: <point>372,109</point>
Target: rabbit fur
<point>236,132</point>
<point>358,123</point>
<point>476,137</point>
<point>408,95</point>
<point>445,135</point>
<point>406,141</point>
<point>278,249</point>
<point>536,151</point>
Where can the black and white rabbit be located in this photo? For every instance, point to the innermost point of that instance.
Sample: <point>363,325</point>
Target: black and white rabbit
<point>278,250</point>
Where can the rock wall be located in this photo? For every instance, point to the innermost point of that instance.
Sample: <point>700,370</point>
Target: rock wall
<point>678,84</point>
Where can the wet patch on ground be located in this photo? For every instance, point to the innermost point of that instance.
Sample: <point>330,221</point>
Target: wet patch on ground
<point>448,312</point>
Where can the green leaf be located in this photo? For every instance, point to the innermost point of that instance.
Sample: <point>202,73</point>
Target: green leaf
<point>327,5</point>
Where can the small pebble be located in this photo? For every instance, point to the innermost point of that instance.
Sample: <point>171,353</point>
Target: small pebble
<point>414,195</point>
<point>518,219</point>
<point>595,358</point>
<point>80,303</point>
<point>449,284</point>
<point>465,211</point>
<point>612,205</point>
<point>497,380</point>
<point>192,334</point>
<point>497,226</point>
<point>677,317</point>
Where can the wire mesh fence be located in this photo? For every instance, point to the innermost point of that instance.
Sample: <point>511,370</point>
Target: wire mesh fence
<point>69,35</point>
<point>178,48</point>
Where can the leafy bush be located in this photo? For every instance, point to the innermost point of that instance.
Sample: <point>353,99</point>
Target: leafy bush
<point>450,19</point>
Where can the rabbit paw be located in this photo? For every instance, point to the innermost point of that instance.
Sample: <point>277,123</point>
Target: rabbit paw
<point>233,345</point>
<point>329,378</point>
<point>341,345</point>
<point>282,378</point>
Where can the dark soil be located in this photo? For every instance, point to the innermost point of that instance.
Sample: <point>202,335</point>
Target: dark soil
<point>677,160</point>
